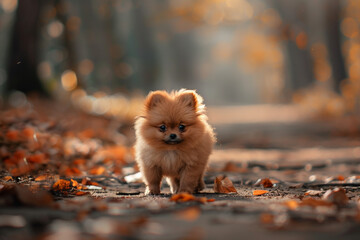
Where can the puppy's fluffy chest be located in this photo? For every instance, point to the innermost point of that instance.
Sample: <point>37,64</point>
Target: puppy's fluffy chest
<point>170,162</point>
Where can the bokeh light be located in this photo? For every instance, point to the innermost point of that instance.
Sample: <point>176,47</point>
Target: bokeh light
<point>69,80</point>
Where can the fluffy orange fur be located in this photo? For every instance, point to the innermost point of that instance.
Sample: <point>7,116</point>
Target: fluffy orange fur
<point>173,140</point>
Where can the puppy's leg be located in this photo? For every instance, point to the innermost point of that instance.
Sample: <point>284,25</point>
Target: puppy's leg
<point>189,180</point>
<point>152,178</point>
<point>173,183</point>
<point>201,184</point>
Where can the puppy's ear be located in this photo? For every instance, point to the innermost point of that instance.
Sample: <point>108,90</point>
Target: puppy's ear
<point>154,99</point>
<point>190,98</point>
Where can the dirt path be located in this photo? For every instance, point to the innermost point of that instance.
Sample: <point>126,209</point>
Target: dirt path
<point>66,178</point>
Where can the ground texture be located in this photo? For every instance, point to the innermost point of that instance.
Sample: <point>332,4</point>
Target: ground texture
<point>274,174</point>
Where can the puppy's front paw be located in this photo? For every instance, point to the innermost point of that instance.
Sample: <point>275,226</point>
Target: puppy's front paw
<point>152,191</point>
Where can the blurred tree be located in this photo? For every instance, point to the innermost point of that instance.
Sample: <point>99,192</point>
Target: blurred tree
<point>22,60</point>
<point>333,36</point>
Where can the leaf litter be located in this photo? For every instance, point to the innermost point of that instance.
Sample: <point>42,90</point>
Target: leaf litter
<point>69,165</point>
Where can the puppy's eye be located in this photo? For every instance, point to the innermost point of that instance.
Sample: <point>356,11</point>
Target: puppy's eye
<point>162,128</point>
<point>181,127</point>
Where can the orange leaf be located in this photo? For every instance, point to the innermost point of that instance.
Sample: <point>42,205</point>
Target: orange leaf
<point>80,193</point>
<point>211,200</point>
<point>61,185</point>
<point>259,192</point>
<point>340,178</point>
<point>182,197</point>
<point>8,178</point>
<point>12,135</point>
<point>41,178</point>
<point>79,161</point>
<point>99,170</point>
<point>266,183</point>
<point>186,197</point>
<point>37,158</point>
<point>223,185</point>
<point>71,171</point>
<point>291,204</point>
<point>28,132</point>
<point>189,214</point>
<point>74,183</point>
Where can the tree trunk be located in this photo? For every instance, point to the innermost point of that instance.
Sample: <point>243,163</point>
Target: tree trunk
<point>22,61</point>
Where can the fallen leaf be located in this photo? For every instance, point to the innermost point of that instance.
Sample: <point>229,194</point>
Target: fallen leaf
<point>74,183</point>
<point>79,161</point>
<point>187,197</point>
<point>232,167</point>
<point>28,132</point>
<point>81,193</point>
<point>259,192</point>
<point>313,193</point>
<point>12,135</point>
<point>99,170</point>
<point>267,218</point>
<point>8,178</point>
<point>189,214</point>
<point>87,181</point>
<point>71,172</point>
<point>291,204</point>
<point>182,197</point>
<point>223,184</point>
<point>37,158</point>
<point>42,178</point>
<point>211,200</point>
<point>336,196</point>
<point>20,195</point>
<point>312,202</point>
<point>61,185</point>
<point>266,182</point>
<point>340,178</point>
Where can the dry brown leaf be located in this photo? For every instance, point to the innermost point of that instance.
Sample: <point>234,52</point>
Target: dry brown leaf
<point>312,202</point>
<point>223,184</point>
<point>336,196</point>
<point>267,218</point>
<point>266,182</point>
<point>313,193</point>
<point>259,192</point>
<point>232,167</point>
<point>189,214</point>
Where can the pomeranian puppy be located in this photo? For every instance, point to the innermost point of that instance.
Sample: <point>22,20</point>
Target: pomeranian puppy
<point>173,140</point>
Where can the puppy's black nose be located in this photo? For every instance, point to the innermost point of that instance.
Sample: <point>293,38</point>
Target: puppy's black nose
<point>173,136</point>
